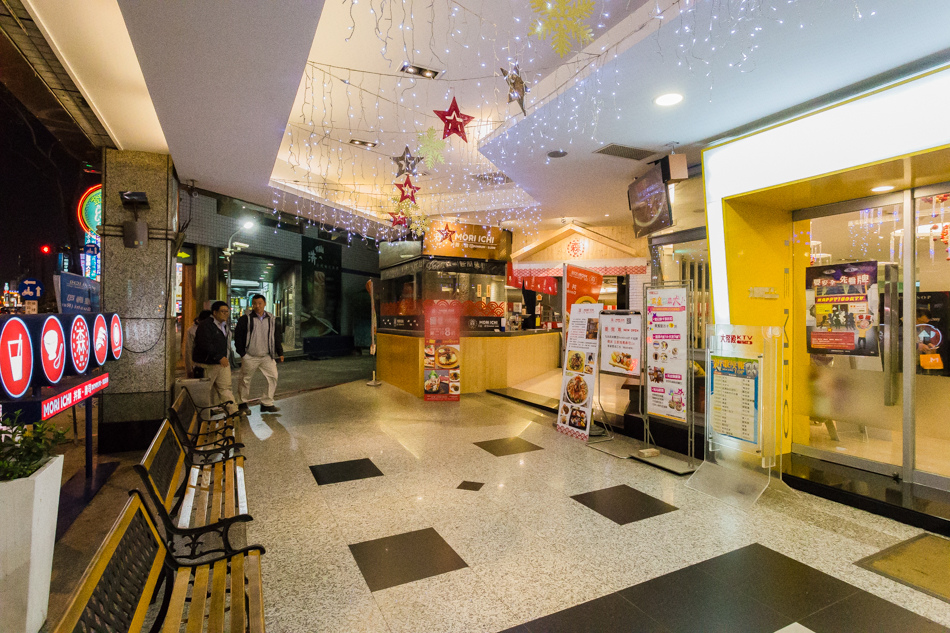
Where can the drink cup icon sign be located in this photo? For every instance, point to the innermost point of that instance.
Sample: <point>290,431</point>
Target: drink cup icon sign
<point>15,349</point>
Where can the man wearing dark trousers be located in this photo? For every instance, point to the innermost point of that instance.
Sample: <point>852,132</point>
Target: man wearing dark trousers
<point>258,339</point>
<point>211,354</point>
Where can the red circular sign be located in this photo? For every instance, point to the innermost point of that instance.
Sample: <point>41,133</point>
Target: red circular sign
<point>79,344</point>
<point>100,339</point>
<point>53,350</point>
<point>116,339</point>
<point>16,358</point>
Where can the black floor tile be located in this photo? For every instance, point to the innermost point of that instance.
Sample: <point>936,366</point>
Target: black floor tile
<point>777,581</point>
<point>687,600</point>
<point>508,446</point>
<point>471,485</point>
<point>623,504</point>
<point>610,614</point>
<point>395,560</point>
<point>345,471</point>
<point>868,614</point>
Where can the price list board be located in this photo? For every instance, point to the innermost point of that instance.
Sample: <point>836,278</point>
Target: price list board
<point>734,397</point>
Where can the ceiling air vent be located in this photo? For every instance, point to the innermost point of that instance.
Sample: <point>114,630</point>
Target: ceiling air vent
<point>622,151</point>
<point>492,178</point>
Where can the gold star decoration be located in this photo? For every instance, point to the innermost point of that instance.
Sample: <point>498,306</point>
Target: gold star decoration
<point>431,148</point>
<point>564,22</point>
<point>516,87</point>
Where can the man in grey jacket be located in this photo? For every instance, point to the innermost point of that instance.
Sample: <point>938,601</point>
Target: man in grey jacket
<point>258,339</point>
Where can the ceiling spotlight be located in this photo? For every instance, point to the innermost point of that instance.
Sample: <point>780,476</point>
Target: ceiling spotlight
<point>669,99</point>
<point>359,143</point>
<point>412,69</point>
<point>883,188</point>
<point>558,153</point>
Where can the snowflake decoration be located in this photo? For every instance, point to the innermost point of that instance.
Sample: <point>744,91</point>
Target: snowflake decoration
<point>411,216</point>
<point>564,22</point>
<point>431,148</point>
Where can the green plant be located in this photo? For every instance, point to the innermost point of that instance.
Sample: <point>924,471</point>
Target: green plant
<point>23,449</point>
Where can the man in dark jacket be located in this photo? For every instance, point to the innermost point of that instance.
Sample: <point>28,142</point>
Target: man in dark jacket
<point>258,339</point>
<point>211,354</point>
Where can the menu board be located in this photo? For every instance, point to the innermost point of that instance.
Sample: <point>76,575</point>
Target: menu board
<point>842,309</point>
<point>620,343</point>
<point>667,353</point>
<point>442,372</point>
<point>580,364</point>
<point>734,397</point>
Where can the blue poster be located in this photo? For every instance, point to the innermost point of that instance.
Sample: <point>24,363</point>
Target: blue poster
<point>734,398</point>
<point>77,294</point>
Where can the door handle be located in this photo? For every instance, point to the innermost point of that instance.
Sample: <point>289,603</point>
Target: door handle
<point>890,321</point>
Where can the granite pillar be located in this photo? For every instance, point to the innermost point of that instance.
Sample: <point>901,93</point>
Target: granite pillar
<point>137,283</point>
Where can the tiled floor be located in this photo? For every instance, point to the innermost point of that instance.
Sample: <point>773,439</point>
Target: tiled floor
<point>559,538</point>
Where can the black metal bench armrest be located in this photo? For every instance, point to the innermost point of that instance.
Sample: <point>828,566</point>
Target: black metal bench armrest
<point>211,557</point>
<point>218,431</point>
<point>206,457</point>
<point>221,528</point>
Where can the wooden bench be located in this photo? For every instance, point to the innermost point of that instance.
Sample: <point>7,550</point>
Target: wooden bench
<point>214,593</point>
<point>201,426</point>
<point>193,488</point>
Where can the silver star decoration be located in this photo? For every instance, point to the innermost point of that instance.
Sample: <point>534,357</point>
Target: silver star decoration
<point>516,86</point>
<point>407,163</point>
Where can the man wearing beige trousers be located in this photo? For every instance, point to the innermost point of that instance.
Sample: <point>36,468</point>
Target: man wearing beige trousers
<point>258,339</point>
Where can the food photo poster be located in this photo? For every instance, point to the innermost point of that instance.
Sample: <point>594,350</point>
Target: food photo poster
<point>441,371</point>
<point>580,371</point>
<point>667,364</point>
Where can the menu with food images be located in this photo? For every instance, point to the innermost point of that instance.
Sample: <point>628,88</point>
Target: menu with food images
<point>580,364</point>
<point>734,397</point>
<point>620,343</point>
<point>441,372</point>
<point>667,352</point>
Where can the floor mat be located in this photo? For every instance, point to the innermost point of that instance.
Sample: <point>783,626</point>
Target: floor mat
<point>920,562</point>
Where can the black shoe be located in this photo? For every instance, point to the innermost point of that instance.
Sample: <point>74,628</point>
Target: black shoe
<point>269,409</point>
<point>243,408</point>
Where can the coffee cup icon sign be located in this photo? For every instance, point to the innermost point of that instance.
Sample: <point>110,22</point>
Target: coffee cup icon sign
<point>15,350</point>
<point>54,348</point>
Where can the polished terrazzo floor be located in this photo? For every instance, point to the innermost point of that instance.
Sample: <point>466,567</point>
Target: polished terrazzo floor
<point>558,538</point>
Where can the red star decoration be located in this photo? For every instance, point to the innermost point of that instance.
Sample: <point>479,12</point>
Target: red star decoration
<point>407,190</point>
<point>399,219</point>
<point>445,233</point>
<point>454,121</point>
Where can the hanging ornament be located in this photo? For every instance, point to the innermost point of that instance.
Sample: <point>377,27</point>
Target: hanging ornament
<point>399,218</point>
<point>406,163</point>
<point>407,190</point>
<point>564,22</point>
<point>431,148</point>
<point>454,121</point>
<point>516,87</point>
<point>419,223</point>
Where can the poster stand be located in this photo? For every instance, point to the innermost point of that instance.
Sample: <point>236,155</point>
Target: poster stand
<point>609,433</point>
<point>743,414</point>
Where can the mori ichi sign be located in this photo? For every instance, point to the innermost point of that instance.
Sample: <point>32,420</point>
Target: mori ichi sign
<point>447,239</point>
<point>75,395</point>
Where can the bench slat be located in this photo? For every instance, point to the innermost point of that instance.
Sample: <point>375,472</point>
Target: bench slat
<point>188,501</point>
<point>199,599</point>
<point>238,616</point>
<point>217,489</point>
<point>255,593</point>
<point>229,488</point>
<point>176,605</point>
<point>219,585</point>
<point>201,502</point>
<point>241,493</point>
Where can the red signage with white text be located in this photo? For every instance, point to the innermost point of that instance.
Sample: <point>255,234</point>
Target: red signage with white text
<point>77,394</point>
<point>52,350</point>
<point>580,286</point>
<point>100,339</point>
<point>115,338</point>
<point>79,344</point>
<point>16,358</point>
<point>441,363</point>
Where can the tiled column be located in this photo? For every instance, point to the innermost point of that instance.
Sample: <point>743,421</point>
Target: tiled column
<point>138,283</point>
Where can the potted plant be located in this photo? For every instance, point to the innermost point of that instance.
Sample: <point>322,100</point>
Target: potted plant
<point>30,477</point>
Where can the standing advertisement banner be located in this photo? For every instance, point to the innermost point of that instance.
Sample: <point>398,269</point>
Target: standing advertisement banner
<point>580,286</point>
<point>620,343</point>
<point>441,362</point>
<point>667,352</point>
<point>580,365</point>
<point>843,313</point>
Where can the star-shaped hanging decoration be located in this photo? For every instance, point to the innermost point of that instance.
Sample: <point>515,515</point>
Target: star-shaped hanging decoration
<point>399,219</point>
<point>406,163</point>
<point>407,190</point>
<point>454,121</point>
<point>431,148</point>
<point>564,22</point>
<point>516,87</point>
<point>445,234</point>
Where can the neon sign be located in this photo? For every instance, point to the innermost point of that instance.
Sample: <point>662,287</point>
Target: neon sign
<point>90,209</point>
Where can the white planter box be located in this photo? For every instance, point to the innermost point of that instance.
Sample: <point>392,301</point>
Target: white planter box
<point>28,511</point>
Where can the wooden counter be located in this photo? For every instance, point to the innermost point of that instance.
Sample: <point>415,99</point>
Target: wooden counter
<point>487,362</point>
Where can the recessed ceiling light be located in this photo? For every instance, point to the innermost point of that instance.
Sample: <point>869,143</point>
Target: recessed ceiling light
<point>883,188</point>
<point>668,99</point>
<point>412,69</point>
<point>558,153</point>
<point>359,143</point>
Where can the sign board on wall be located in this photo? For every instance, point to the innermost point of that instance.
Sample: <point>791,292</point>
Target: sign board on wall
<point>322,277</point>
<point>580,286</point>
<point>580,370</point>
<point>447,239</point>
<point>76,294</point>
<point>842,309</point>
<point>620,343</point>
<point>667,352</point>
<point>441,359</point>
